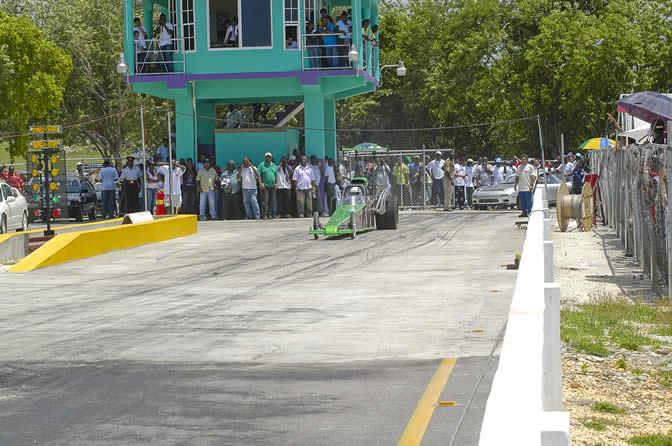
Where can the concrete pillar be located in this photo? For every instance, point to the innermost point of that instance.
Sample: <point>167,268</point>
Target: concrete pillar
<point>330,123</point>
<point>184,128</point>
<point>206,127</point>
<point>129,46</point>
<point>147,15</point>
<point>552,364</point>
<point>314,118</point>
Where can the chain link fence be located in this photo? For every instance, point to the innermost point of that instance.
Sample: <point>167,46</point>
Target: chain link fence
<point>631,198</point>
<point>406,171</point>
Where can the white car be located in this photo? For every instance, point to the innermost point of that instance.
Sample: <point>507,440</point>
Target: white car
<point>504,195</point>
<point>13,209</point>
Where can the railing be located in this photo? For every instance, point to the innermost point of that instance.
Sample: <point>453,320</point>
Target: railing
<point>153,58</point>
<point>525,403</point>
<point>318,56</point>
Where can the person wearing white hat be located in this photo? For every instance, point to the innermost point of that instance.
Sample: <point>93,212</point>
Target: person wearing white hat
<point>268,172</point>
<point>498,172</point>
<point>435,169</point>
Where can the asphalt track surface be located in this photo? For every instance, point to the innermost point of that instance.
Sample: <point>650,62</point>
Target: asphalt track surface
<point>253,333</point>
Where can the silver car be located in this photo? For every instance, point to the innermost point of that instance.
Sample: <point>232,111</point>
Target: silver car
<point>13,209</point>
<point>504,195</point>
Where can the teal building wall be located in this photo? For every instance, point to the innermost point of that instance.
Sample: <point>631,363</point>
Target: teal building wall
<point>234,144</point>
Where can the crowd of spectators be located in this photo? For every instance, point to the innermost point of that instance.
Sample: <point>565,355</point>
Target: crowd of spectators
<point>290,187</point>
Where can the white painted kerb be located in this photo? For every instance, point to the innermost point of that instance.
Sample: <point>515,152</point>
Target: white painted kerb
<point>525,403</point>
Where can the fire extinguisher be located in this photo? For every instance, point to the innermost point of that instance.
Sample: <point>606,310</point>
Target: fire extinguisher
<point>160,209</point>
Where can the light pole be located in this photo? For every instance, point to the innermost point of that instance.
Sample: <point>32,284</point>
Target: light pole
<point>401,71</point>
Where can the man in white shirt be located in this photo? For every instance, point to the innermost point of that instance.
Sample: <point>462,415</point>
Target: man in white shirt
<point>304,180</point>
<point>330,185</point>
<point>250,180</point>
<point>498,172</point>
<point>165,32</point>
<point>569,166</point>
<point>344,39</point>
<point>172,185</point>
<point>231,38</point>
<point>284,192</point>
<point>458,182</point>
<point>435,170</point>
<point>509,171</point>
<point>130,176</point>
<point>525,179</point>
<point>469,182</point>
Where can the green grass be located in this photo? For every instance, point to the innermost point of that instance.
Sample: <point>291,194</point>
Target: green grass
<point>608,322</point>
<point>637,371</point>
<point>596,426</point>
<point>652,440</point>
<point>599,424</point>
<point>71,156</point>
<point>664,377</point>
<point>603,407</point>
<point>621,364</point>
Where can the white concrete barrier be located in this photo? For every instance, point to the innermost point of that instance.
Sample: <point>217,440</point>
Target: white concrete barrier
<point>525,403</point>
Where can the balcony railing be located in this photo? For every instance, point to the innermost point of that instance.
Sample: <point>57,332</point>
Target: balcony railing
<point>318,56</point>
<point>153,58</point>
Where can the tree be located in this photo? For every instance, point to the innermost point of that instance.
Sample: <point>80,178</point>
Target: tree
<point>33,73</point>
<point>91,31</point>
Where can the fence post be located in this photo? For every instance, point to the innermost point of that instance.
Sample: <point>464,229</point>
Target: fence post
<point>424,179</point>
<point>668,232</point>
<point>552,355</point>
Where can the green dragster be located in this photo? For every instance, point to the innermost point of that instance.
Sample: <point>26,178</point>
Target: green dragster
<point>359,212</point>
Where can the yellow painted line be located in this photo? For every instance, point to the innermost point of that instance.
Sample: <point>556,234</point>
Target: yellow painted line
<point>9,235</point>
<point>419,421</point>
<point>70,246</point>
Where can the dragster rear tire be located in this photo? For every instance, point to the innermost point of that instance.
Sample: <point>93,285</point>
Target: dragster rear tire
<point>390,219</point>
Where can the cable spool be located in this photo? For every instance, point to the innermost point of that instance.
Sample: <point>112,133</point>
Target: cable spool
<point>575,207</point>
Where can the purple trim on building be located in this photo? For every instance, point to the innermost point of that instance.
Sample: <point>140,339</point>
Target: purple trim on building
<point>311,77</point>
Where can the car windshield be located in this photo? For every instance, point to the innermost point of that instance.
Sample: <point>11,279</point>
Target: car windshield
<point>353,195</point>
<point>73,187</point>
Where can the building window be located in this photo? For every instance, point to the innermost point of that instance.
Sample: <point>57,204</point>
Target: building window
<point>309,11</point>
<point>291,24</point>
<point>239,23</point>
<point>188,27</point>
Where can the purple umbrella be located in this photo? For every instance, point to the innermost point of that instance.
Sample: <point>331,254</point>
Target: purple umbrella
<point>647,106</point>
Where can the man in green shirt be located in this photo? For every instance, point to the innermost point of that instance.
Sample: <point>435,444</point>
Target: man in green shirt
<point>401,180</point>
<point>268,172</point>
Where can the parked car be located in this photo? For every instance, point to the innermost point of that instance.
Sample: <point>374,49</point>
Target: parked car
<point>82,198</point>
<point>13,209</point>
<point>504,195</point>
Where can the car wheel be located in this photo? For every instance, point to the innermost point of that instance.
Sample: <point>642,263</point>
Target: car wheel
<point>390,219</point>
<point>24,222</point>
<point>3,225</point>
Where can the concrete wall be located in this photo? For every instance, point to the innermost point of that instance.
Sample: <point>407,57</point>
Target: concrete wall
<point>13,247</point>
<point>525,403</point>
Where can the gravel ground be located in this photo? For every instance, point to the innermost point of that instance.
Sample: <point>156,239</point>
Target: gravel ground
<point>588,265</point>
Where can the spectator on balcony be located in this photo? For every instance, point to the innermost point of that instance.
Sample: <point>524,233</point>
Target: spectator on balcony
<point>367,35</point>
<point>313,43</point>
<point>142,31</point>
<point>231,38</point>
<point>250,179</point>
<point>291,44</point>
<point>165,32</point>
<point>233,117</point>
<point>329,39</point>
<point>140,52</point>
<point>344,27</point>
